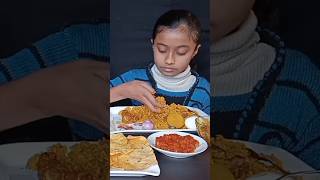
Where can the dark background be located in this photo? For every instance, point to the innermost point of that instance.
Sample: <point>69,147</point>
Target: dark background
<point>297,23</point>
<point>303,30</point>
<point>25,22</point>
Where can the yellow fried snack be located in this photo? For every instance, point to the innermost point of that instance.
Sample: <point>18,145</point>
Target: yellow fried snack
<point>139,114</point>
<point>175,119</point>
<point>203,128</point>
<point>118,143</point>
<point>133,154</point>
<point>82,161</point>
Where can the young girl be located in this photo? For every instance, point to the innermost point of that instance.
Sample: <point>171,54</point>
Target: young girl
<point>175,41</point>
<point>262,91</point>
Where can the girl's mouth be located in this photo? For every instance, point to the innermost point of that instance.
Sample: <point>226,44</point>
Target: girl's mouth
<point>169,70</point>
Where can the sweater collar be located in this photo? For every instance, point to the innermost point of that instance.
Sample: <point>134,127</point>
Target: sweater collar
<point>179,83</point>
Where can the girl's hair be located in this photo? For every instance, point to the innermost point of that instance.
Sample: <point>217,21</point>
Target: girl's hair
<point>175,18</point>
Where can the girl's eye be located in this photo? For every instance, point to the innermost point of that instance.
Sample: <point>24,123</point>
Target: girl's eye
<point>162,51</point>
<point>181,53</point>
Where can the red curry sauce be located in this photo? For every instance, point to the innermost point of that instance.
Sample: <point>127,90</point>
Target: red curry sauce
<point>177,143</point>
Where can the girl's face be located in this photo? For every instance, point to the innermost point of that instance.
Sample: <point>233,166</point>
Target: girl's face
<point>227,15</point>
<point>173,49</point>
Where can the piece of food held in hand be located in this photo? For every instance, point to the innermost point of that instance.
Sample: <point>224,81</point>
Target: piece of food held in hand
<point>177,143</point>
<point>170,116</point>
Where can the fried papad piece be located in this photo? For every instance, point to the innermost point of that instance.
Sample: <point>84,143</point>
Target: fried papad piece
<point>138,154</point>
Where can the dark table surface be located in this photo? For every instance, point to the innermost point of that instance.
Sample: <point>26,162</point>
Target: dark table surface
<point>192,168</point>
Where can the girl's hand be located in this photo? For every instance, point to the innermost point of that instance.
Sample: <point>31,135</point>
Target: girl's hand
<point>137,90</point>
<point>77,90</point>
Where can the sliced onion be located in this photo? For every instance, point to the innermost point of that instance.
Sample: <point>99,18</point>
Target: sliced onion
<point>148,125</point>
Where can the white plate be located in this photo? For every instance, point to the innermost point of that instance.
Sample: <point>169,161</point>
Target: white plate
<point>290,162</point>
<point>14,157</point>
<point>202,144</point>
<point>151,171</point>
<point>115,121</point>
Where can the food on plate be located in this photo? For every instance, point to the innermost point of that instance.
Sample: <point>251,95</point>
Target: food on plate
<point>130,153</point>
<point>203,128</point>
<point>175,120</point>
<point>241,161</point>
<point>82,161</point>
<point>139,114</point>
<point>177,143</point>
<point>148,125</point>
<point>219,171</point>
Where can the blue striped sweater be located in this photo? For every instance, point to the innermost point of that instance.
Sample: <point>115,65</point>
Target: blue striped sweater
<point>282,110</point>
<point>74,42</point>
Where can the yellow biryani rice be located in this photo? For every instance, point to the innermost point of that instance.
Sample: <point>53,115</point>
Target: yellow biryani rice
<point>139,114</point>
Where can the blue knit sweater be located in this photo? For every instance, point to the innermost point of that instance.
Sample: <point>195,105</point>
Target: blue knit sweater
<point>282,110</point>
<point>74,42</point>
<point>198,96</point>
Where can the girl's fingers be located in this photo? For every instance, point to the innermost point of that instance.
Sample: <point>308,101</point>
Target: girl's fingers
<point>152,100</point>
<point>148,87</point>
<point>147,102</point>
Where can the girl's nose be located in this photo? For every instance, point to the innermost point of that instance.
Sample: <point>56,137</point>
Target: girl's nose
<point>169,59</point>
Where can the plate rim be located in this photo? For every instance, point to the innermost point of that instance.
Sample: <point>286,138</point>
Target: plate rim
<point>137,173</point>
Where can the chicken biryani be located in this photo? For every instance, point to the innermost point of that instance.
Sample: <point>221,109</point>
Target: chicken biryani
<point>170,116</point>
